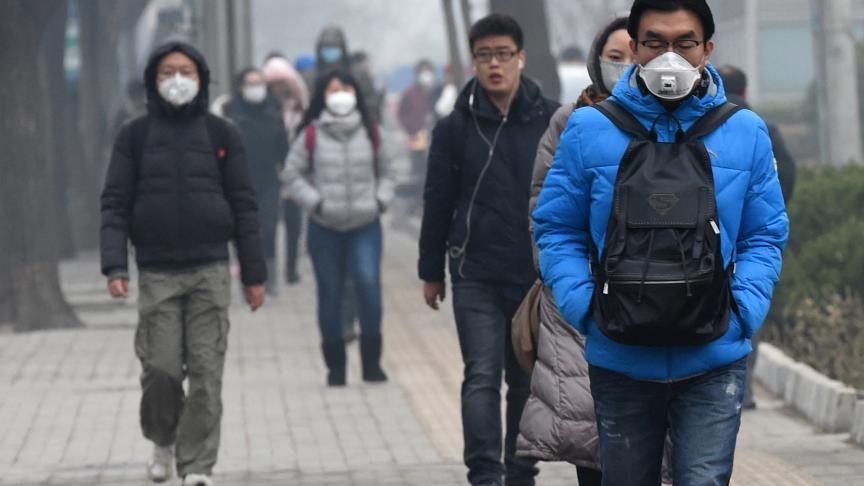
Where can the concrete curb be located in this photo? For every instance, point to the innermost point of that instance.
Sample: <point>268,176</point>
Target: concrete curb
<point>827,403</point>
<point>858,424</point>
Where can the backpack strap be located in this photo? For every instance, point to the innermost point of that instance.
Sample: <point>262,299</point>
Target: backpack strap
<point>138,129</point>
<point>622,118</point>
<point>376,149</point>
<point>218,132</point>
<point>309,134</point>
<point>712,121</point>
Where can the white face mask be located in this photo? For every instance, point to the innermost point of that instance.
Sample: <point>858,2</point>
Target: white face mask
<point>341,103</point>
<point>611,72</point>
<point>254,93</point>
<point>178,90</point>
<point>426,79</point>
<point>670,76</point>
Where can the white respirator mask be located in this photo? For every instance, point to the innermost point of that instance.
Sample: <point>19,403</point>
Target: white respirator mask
<point>178,90</point>
<point>341,103</point>
<point>255,93</point>
<point>670,76</point>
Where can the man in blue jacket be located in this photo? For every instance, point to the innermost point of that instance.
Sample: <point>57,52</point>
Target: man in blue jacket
<point>643,391</point>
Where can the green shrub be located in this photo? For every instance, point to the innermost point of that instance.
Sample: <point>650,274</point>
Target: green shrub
<point>817,316</point>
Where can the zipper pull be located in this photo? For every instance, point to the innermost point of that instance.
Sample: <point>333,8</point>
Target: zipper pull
<point>714,226</point>
<point>606,288</point>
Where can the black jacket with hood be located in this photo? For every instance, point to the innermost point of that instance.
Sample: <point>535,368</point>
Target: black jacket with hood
<point>497,248</point>
<point>264,137</point>
<point>180,203</point>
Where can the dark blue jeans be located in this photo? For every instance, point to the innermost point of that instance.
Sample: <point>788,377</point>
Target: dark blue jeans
<point>702,414</point>
<point>483,320</point>
<point>337,255</point>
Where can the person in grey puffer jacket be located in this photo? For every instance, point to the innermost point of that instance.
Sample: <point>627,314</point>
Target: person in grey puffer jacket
<point>339,174</point>
<point>558,423</point>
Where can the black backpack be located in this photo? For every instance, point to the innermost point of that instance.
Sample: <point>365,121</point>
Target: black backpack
<point>661,281</point>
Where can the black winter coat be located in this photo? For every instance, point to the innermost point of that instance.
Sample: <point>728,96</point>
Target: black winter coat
<point>499,247</point>
<point>180,203</point>
<point>266,142</point>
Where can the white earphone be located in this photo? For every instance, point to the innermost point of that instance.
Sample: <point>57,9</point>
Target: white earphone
<point>521,64</point>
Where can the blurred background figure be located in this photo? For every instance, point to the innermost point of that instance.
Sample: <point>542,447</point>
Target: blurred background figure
<point>338,174</point>
<point>417,116</point>
<point>305,65</point>
<point>447,95</point>
<point>361,68</point>
<point>133,106</point>
<point>573,72</point>
<point>259,118</point>
<point>291,92</point>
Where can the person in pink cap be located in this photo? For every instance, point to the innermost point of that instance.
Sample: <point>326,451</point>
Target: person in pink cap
<point>289,88</point>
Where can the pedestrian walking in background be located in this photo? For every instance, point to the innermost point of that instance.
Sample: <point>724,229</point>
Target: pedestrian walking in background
<point>417,116</point>
<point>736,90</point>
<point>661,228</point>
<point>180,208</point>
<point>361,68</point>
<point>133,106</point>
<point>476,212</point>
<point>552,429</point>
<point>259,118</point>
<point>290,90</point>
<point>339,173</point>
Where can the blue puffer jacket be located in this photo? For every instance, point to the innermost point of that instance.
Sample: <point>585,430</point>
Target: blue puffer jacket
<point>577,199</point>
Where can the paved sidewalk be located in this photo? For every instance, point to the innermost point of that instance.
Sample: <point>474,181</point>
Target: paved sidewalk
<point>69,399</point>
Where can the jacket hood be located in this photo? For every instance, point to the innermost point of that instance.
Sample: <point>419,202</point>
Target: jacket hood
<point>332,36</point>
<point>647,109</point>
<point>158,106</point>
<point>594,71</point>
<point>529,101</point>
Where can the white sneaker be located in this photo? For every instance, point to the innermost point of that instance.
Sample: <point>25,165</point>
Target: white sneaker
<point>161,464</point>
<point>197,480</point>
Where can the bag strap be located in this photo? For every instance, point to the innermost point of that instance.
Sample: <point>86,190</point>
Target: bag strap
<point>711,121</point>
<point>218,132</point>
<point>376,149</point>
<point>622,119</point>
<point>309,134</point>
<point>138,129</point>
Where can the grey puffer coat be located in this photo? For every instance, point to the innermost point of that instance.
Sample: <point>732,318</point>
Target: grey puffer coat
<point>338,184</point>
<point>558,422</point>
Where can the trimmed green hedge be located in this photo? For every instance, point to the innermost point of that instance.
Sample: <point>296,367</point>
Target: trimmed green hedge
<point>817,314</point>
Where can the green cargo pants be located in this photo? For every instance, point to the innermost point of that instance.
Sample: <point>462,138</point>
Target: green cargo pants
<point>183,332</point>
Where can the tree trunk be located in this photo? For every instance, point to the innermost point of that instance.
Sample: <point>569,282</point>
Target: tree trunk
<point>30,295</point>
<point>99,97</point>
<point>540,64</point>
<point>58,91</point>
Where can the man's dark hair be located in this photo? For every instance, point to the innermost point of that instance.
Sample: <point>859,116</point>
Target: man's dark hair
<point>572,54</point>
<point>699,7</point>
<point>424,64</point>
<point>495,24</point>
<point>734,80</point>
<point>358,57</point>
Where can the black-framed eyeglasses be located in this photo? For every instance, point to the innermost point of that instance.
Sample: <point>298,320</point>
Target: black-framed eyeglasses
<point>680,45</point>
<point>502,55</point>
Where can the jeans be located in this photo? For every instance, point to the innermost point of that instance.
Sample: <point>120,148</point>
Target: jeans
<point>337,255</point>
<point>702,414</point>
<point>483,320</point>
